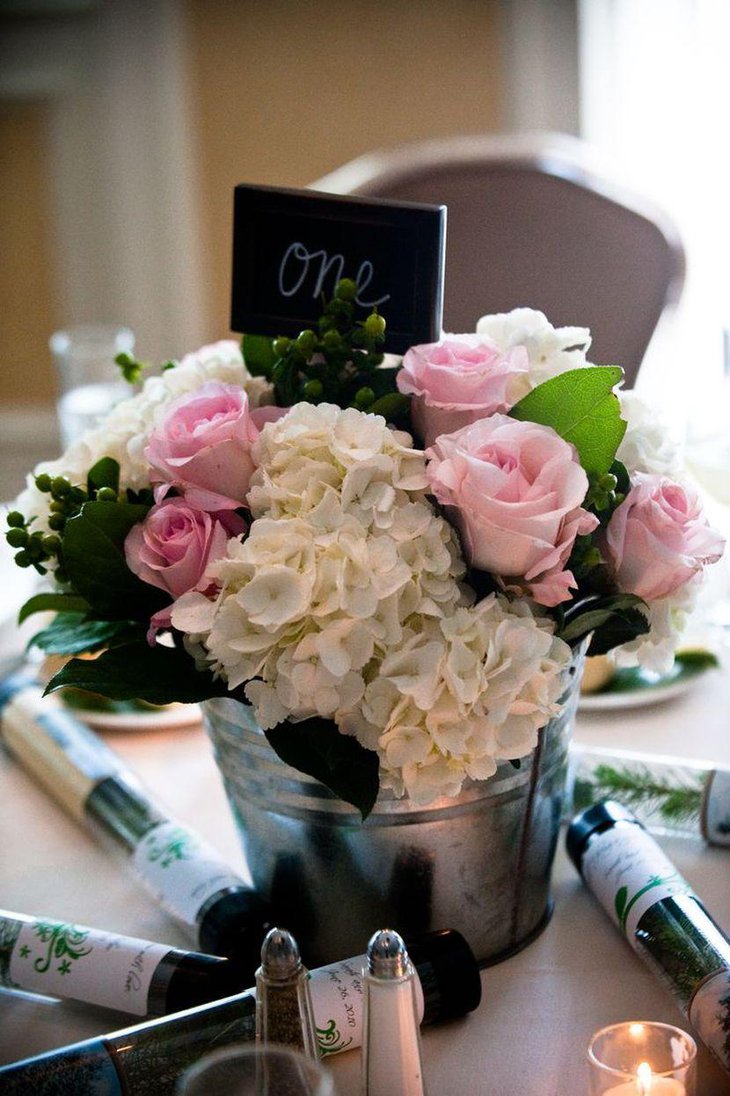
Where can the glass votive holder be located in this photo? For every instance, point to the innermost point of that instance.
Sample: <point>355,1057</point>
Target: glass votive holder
<point>641,1058</point>
<point>246,1070</point>
<point>89,381</point>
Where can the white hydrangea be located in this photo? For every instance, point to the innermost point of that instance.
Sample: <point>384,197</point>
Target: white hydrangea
<point>323,462</point>
<point>649,444</point>
<point>344,601</point>
<point>550,350</point>
<point>343,550</point>
<point>124,432</point>
<point>458,695</point>
<point>667,618</point>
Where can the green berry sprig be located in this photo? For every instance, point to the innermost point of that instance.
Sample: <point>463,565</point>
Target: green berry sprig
<point>335,364</point>
<point>603,493</point>
<point>38,549</point>
<point>132,368</point>
<point>35,548</point>
<point>607,491</point>
<point>584,558</point>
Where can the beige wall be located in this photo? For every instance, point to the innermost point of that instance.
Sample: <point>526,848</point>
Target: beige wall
<point>279,92</point>
<point>286,90</point>
<point>28,305</point>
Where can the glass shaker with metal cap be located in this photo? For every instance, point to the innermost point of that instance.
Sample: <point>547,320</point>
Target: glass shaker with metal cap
<point>284,1013</point>
<point>391,1040</point>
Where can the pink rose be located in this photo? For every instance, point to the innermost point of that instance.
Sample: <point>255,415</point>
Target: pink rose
<point>203,446</point>
<point>269,413</point>
<point>459,380</point>
<point>516,490</point>
<point>175,545</point>
<point>658,538</point>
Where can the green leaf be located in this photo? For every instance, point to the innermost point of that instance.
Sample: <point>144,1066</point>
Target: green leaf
<point>620,902</point>
<point>621,627</point>
<point>258,354</point>
<point>285,376</point>
<point>81,701</point>
<point>612,620</point>
<point>593,613</point>
<point>696,659</point>
<point>136,671</point>
<point>623,481</point>
<point>316,747</point>
<point>390,406</point>
<point>72,634</point>
<point>582,407</point>
<point>93,553</point>
<point>382,381</point>
<point>105,473</point>
<point>53,603</point>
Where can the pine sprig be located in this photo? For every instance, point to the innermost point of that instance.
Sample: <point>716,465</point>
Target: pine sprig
<point>640,788</point>
<point>677,946</point>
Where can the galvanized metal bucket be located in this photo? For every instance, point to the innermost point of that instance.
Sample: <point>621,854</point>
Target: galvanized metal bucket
<point>479,863</point>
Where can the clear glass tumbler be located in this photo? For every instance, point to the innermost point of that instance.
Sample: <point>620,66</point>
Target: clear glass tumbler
<point>256,1071</point>
<point>89,381</point>
<point>642,1058</point>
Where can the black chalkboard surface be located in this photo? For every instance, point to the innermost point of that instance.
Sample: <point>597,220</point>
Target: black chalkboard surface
<point>290,246</point>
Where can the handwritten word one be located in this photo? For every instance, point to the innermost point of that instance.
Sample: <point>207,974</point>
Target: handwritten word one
<point>299,264</point>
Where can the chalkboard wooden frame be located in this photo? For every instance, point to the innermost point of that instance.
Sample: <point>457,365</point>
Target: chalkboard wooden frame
<point>406,238</point>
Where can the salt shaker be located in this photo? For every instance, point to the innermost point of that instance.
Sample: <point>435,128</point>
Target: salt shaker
<point>284,1013</point>
<point>391,1041</point>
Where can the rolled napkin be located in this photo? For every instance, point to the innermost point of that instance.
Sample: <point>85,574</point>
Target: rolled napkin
<point>661,917</point>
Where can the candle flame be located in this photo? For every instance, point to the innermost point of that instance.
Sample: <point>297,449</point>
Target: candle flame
<point>643,1079</point>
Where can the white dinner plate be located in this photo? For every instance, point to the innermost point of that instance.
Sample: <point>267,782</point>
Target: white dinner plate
<point>172,717</point>
<point>636,698</point>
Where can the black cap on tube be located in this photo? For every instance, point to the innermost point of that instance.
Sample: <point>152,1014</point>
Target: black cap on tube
<point>601,816</point>
<point>234,924</point>
<point>448,973</point>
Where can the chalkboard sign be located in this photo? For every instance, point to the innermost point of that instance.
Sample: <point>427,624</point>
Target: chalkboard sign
<point>290,246</point>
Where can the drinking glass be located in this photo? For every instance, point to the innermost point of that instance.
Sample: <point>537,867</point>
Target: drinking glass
<point>88,378</point>
<point>256,1071</point>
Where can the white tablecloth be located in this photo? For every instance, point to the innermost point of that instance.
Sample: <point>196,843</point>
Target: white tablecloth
<point>528,1037</point>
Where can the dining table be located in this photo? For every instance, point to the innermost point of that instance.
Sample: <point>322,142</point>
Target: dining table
<point>539,1008</point>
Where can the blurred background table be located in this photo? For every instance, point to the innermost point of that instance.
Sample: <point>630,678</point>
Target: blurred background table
<point>539,1008</point>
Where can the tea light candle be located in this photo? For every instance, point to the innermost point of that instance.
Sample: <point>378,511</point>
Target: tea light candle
<point>648,1084</point>
<point>642,1059</point>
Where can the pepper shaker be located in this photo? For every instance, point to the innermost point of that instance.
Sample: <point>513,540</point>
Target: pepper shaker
<point>284,1013</point>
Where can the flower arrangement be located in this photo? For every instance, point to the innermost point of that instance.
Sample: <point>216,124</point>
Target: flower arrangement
<point>260,524</point>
